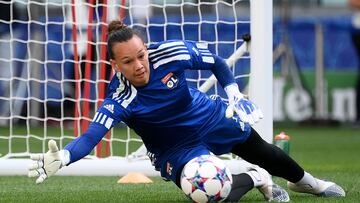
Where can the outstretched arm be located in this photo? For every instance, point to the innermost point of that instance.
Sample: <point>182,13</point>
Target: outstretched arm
<point>46,165</point>
<point>83,145</point>
<point>203,59</point>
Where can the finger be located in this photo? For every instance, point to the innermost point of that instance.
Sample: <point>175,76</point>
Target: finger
<point>41,178</point>
<point>36,172</point>
<point>33,173</point>
<point>250,120</point>
<point>52,146</point>
<point>37,157</point>
<point>241,111</point>
<point>258,111</point>
<point>244,108</point>
<point>242,115</point>
<point>229,111</point>
<point>255,116</point>
<point>36,165</point>
<point>248,107</point>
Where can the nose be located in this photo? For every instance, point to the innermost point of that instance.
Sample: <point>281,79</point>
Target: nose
<point>138,65</point>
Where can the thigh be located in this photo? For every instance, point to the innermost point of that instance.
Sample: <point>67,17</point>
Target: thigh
<point>171,168</point>
<point>227,133</point>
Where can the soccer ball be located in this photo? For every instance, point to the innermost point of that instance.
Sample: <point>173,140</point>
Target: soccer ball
<point>206,179</point>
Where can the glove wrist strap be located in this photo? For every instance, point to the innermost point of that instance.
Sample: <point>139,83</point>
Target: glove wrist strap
<point>64,157</point>
<point>233,90</point>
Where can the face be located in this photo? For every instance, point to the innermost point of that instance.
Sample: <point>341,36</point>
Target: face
<point>131,59</point>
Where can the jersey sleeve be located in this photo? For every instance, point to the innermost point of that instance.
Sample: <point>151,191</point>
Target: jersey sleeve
<point>203,59</point>
<point>174,52</point>
<point>108,115</point>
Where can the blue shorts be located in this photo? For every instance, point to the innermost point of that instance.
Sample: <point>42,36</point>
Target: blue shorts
<point>218,140</point>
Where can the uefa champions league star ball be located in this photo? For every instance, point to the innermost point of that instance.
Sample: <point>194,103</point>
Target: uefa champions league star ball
<point>206,179</point>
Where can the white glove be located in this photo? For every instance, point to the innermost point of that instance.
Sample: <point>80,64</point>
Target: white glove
<point>46,165</point>
<point>246,110</point>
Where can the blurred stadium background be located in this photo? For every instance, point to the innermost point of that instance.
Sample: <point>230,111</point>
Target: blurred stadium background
<point>314,98</point>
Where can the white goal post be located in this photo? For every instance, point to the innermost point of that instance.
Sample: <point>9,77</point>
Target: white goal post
<point>54,71</point>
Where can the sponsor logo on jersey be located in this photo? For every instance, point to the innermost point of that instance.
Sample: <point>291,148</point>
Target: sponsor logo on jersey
<point>109,107</point>
<point>170,80</point>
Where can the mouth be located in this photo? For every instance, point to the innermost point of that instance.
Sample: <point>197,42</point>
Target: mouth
<point>140,74</point>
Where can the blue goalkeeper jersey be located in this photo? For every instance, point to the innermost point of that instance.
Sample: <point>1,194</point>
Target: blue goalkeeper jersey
<point>166,113</point>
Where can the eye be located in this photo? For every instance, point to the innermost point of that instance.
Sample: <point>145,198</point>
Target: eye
<point>141,56</point>
<point>126,62</point>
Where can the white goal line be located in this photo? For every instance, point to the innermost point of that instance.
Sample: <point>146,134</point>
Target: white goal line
<point>104,167</point>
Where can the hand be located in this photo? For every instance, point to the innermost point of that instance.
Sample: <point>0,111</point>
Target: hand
<point>246,110</point>
<point>45,165</point>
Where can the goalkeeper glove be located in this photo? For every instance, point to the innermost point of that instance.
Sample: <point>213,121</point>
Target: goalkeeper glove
<point>246,110</point>
<point>46,165</point>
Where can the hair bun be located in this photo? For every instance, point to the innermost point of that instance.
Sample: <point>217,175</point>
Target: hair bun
<point>116,25</point>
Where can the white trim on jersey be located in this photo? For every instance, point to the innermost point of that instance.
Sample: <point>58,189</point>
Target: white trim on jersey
<point>202,45</point>
<point>166,45</point>
<point>166,53</point>
<point>183,50</point>
<point>206,55</point>
<point>103,119</point>
<point>125,93</point>
<point>98,118</point>
<point>156,54</point>
<point>204,52</point>
<point>109,123</point>
<point>127,101</point>
<point>208,59</point>
<point>95,116</point>
<point>121,86</point>
<point>174,58</point>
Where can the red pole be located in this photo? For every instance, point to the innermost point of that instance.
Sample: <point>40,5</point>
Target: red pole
<point>86,104</point>
<point>76,72</point>
<point>122,9</point>
<point>102,73</point>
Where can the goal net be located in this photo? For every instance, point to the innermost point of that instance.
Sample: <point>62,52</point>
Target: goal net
<point>55,69</point>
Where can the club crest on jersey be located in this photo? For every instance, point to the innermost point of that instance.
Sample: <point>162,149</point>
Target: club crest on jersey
<point>170,80</point>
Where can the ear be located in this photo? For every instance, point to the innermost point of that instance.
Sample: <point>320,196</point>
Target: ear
<point>114,65</point>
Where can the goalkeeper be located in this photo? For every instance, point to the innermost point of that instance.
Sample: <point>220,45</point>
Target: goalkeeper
<point>149,93</point>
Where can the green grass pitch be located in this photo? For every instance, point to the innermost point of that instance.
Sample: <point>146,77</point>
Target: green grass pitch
<point>328,153</point>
